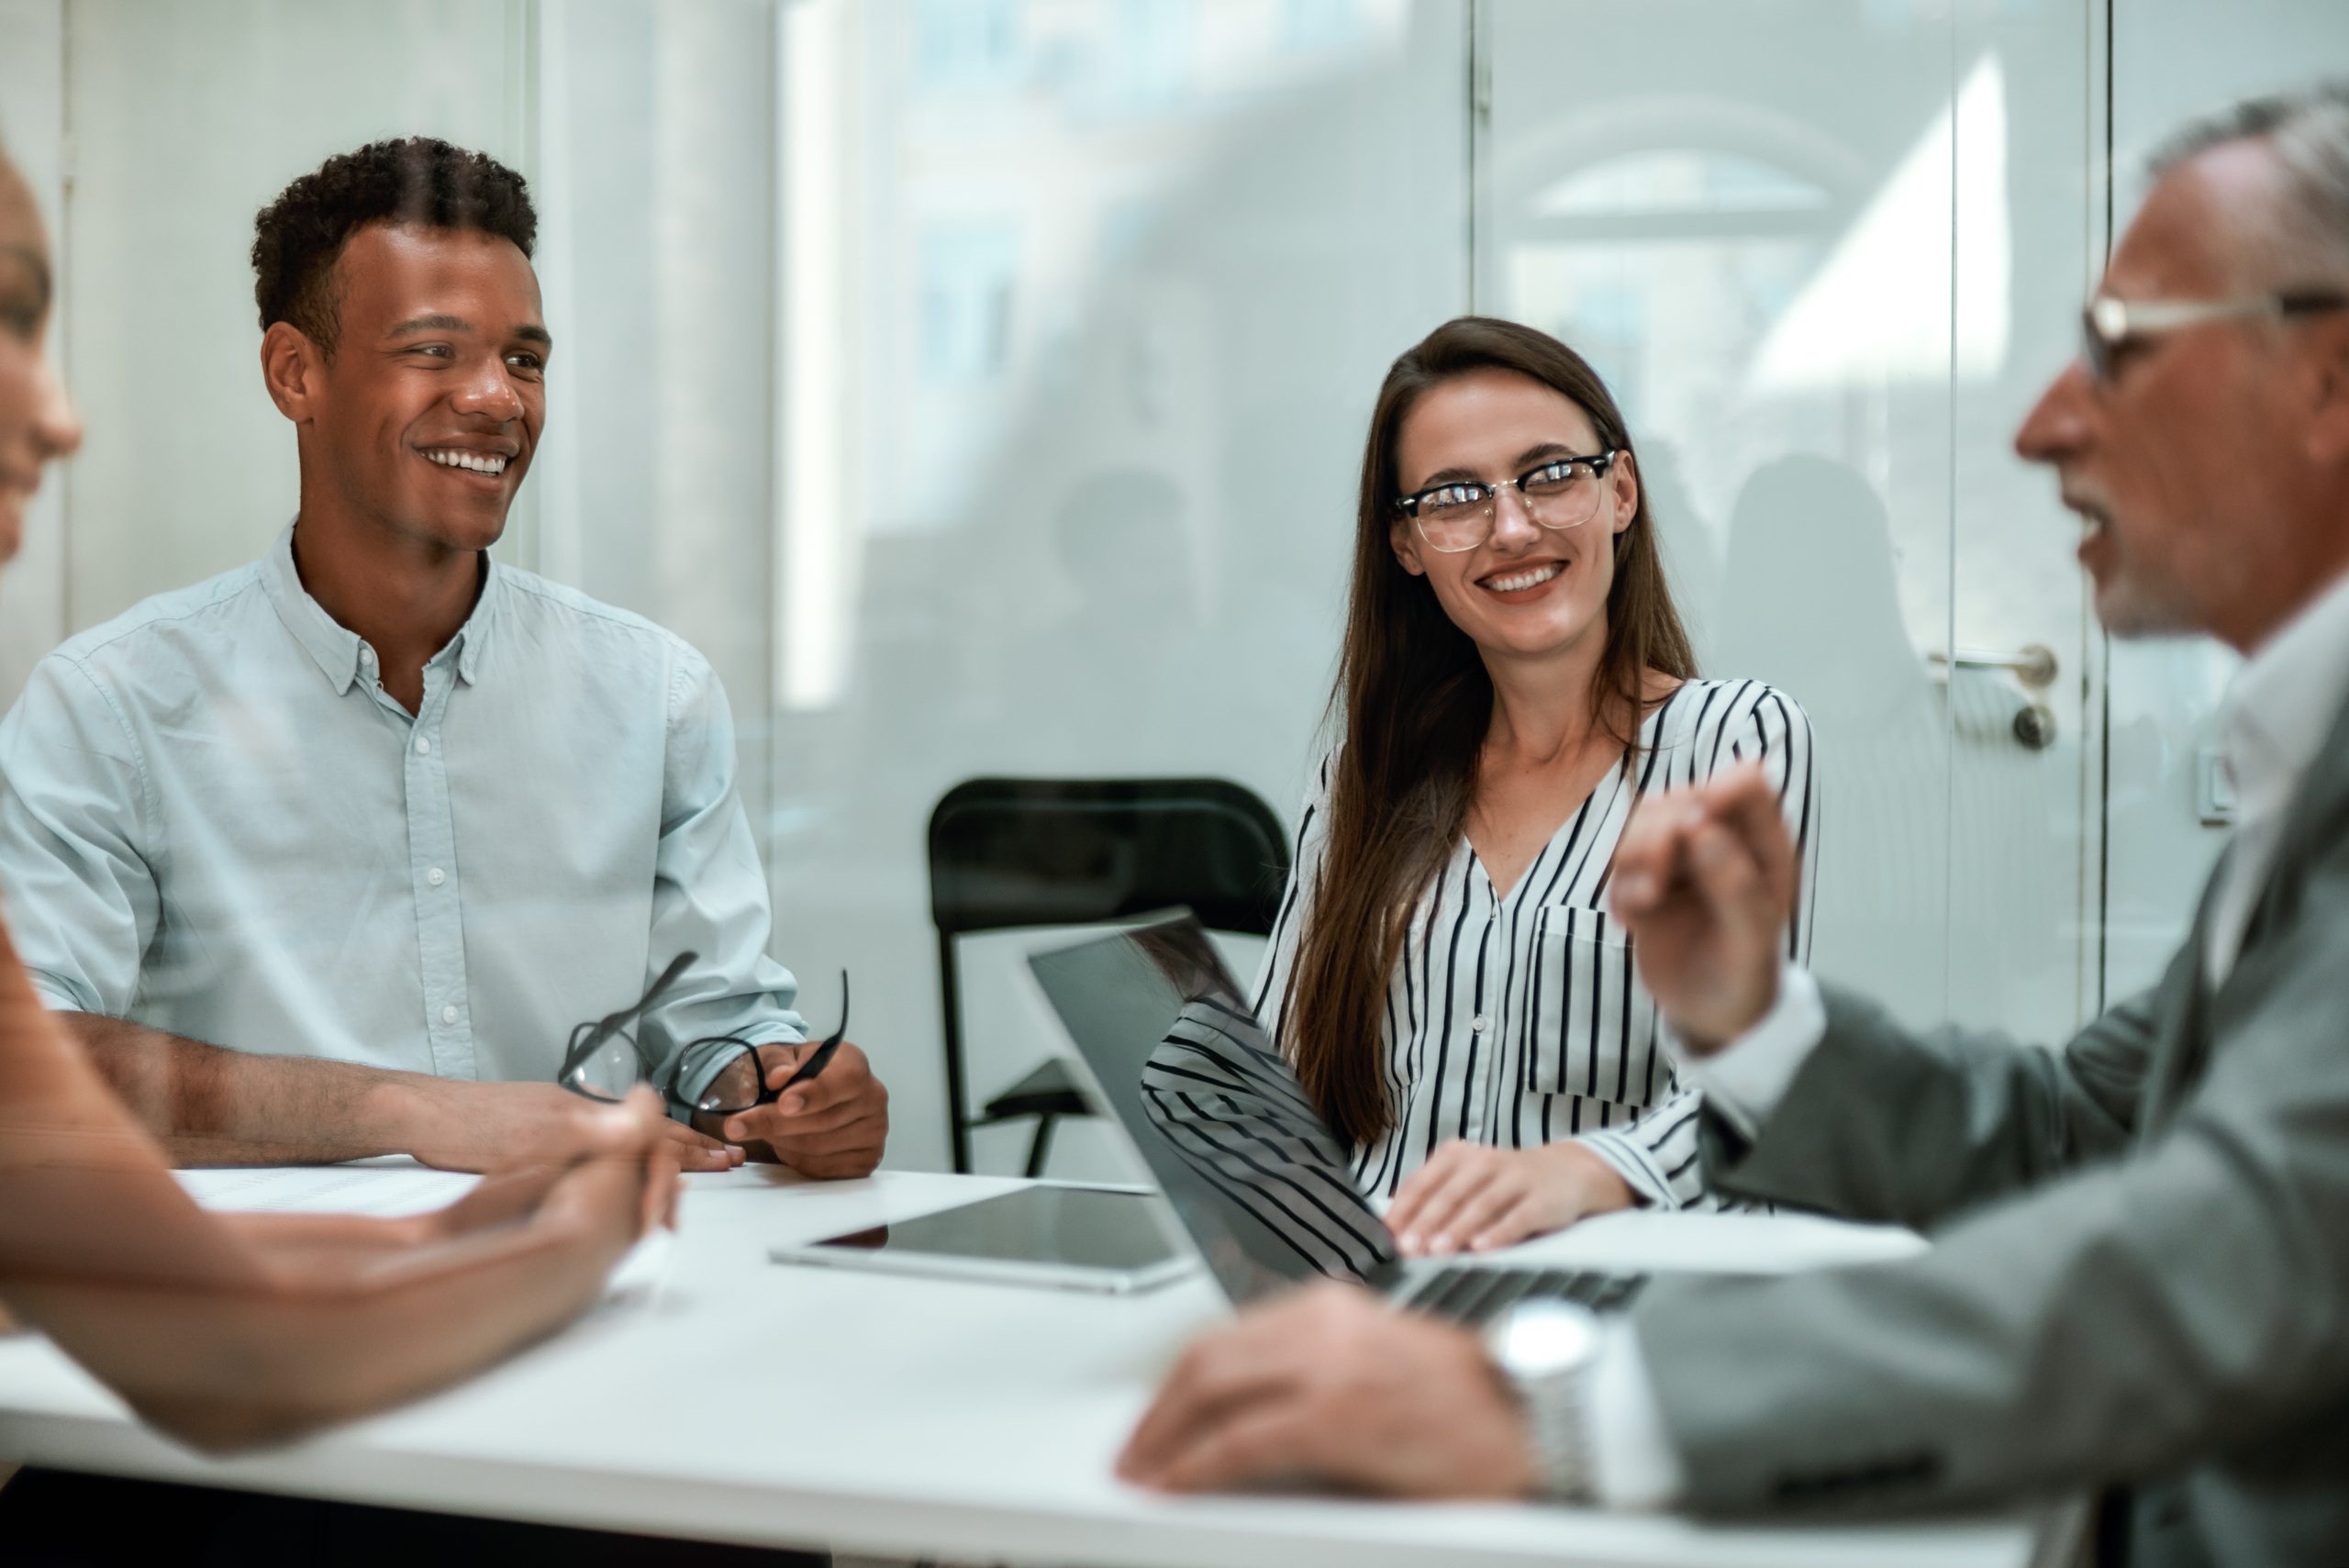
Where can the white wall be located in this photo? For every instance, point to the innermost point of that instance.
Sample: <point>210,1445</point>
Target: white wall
<point>1826,290</point>
<point>185,121</point>
<point>981,384</point>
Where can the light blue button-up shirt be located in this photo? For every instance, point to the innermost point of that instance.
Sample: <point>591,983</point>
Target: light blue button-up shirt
<point>213,821</point>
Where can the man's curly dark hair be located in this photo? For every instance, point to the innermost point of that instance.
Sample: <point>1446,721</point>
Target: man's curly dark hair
<point>421,180</point>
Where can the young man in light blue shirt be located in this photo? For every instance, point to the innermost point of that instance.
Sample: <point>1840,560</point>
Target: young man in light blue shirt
<point>382,818</point>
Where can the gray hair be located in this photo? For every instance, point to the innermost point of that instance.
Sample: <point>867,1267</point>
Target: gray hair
<point>2305,239</point>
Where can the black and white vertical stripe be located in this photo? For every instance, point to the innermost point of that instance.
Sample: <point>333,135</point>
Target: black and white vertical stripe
<point>1514,1019</point>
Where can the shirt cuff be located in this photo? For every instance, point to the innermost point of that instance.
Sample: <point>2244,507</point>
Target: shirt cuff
<point>55,995</point>
<point>1632,1463</point>
<point>1745,1079</point>
<point>1651,1188</point>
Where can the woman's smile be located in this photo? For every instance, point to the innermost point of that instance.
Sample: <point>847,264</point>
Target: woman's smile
<point>1522,584</point>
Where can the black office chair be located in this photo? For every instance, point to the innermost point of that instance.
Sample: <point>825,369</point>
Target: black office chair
<point>1006,853</point>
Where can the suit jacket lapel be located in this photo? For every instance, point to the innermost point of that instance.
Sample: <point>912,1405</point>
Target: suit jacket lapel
<point>2183,1043</point>
<point>2182,1055</point>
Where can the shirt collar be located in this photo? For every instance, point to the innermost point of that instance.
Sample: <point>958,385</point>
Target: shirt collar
<point>2283,703</point>
<point>334,646</point>
<point>337,649</point>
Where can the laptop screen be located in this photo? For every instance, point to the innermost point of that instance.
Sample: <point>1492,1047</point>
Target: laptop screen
<point>1251,1169</point>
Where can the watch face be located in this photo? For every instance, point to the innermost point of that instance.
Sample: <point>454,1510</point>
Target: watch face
<point>1541,1336</point>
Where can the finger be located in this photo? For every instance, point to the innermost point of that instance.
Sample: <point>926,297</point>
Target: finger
<point>509,1191</point>
<point>863,1130</point>
<point>697,1151</point>
<point>1647,854</point>
<point>848,1077</point>
<point>658,1197</point>
<point>847,1165</point>
<point>1527,1217</point>
<point>1411,1198</point>
<point>1221,1371</point>
<point>1433,1230</point>
<point>851,1154</point>
<point>1254,1442</point>
<point>1477,1214</point>
<point>694,1149</point>
<point>778,1062</point>
<point>1727,875</point>
<point>1746,802</point>
<point>771,1122</point>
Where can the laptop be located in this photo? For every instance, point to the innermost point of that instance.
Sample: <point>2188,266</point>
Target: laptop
<point>1252,1171</point>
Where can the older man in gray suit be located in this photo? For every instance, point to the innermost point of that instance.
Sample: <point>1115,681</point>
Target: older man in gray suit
<point>2139,1277</point>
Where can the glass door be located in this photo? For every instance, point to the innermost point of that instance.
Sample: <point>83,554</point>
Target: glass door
<point>1827,253</point>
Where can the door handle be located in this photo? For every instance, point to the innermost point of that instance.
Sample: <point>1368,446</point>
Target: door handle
<point>2033,664</point>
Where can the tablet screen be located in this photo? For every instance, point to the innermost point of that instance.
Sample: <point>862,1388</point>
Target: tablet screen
<point>1069,1227</point>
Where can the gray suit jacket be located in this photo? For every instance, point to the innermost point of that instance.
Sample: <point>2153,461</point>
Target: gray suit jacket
<point>2140,1273</point>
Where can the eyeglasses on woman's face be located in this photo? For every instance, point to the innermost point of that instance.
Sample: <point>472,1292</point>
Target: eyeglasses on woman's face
<point>1559,492</point>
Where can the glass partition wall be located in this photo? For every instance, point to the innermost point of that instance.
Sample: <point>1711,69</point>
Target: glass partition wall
<point>980,384</point>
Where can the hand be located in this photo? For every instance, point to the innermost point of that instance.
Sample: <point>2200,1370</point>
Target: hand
<point>462,1126</point>
<point>1704,880</point>
<point>1327,1383</point>
<point>634,1167</point>
<point>631,1137</point>
<point>832,1127</point>
<point>1473,1197</point>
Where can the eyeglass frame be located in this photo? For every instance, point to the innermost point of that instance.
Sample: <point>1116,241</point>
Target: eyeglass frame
<point>2109,324</point>
<point>1600,465</point>
<point>586,1039</point>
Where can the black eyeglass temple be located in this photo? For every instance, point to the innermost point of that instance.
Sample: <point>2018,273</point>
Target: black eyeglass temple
<point>2301,302</point>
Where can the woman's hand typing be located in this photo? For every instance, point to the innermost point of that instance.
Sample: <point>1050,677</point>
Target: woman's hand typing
<point>1470,1197</point>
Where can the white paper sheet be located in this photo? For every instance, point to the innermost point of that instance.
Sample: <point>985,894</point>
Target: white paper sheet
<point>389,1189</point>
<point>385,1188</point>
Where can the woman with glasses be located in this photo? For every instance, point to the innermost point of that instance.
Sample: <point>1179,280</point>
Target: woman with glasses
<point>227,1330</point>
<point>1444,974</point>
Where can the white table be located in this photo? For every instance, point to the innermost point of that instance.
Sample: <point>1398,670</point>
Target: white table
<point>758,1403</point>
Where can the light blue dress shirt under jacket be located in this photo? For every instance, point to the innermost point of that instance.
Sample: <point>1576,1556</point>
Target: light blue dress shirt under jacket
<point>215,821</point>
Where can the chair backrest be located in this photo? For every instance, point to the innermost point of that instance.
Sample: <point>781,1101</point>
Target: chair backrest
<point>1011,852</point>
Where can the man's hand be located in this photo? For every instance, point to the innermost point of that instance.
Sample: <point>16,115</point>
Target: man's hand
<point>832,1127</point>
<point>1473,1197</point>
<point>1705,881</point>
<point>462,1126</point>
<point>1328,1383</point>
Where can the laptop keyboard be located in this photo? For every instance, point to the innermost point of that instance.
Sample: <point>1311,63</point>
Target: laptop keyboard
<point>1474,1296</point>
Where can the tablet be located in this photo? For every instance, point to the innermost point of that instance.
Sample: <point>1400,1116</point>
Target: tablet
<point>1069,1237</point>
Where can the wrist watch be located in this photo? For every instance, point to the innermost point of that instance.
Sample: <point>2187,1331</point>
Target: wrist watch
<point>1547,1351</point>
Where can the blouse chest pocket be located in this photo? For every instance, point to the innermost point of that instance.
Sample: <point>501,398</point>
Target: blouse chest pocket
<point>1593,1023</point>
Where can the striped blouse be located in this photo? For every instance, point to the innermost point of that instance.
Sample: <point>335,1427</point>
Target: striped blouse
<point>1514,1020</point>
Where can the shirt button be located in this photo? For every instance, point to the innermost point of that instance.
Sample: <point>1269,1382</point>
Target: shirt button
<point>1478,1025</point>
<point>423,746</point>
<point>449,1014</point>
<point>436,876</point>
<point>366,655</point>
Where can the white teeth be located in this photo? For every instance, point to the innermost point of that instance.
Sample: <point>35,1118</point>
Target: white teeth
<point>1532,579</point>
<point>478,462</point>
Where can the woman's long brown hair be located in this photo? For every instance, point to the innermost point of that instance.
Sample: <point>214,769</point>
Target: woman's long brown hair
<point>1415,703</point>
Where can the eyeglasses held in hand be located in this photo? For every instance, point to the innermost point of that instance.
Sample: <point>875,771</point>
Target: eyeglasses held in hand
<point>604,1060</point>
<point>1458,514</point>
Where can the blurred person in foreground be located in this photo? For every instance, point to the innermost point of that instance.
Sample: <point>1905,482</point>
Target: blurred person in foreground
<point>2139,1277</point>
<point>328,856</point>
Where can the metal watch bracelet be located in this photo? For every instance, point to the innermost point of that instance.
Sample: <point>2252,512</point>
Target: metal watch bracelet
<point>1557,1418</point>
